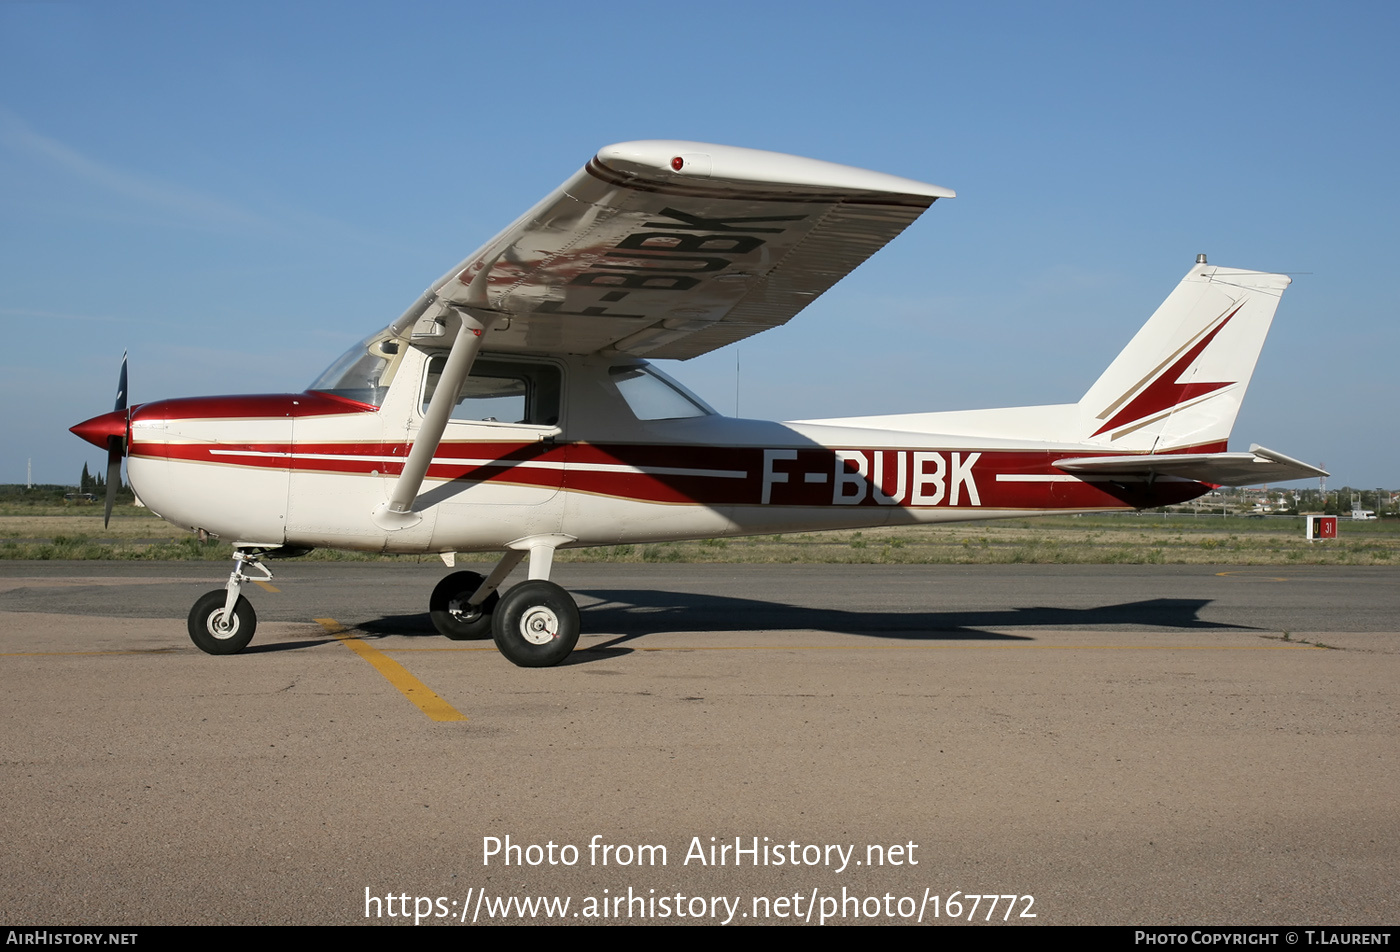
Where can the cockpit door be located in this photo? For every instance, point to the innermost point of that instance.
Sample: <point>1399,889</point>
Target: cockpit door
<point>499,469</point>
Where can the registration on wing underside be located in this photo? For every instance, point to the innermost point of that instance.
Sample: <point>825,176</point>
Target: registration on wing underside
<point>609,267</point>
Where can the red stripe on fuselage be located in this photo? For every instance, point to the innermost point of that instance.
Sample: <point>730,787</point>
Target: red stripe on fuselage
<point>943,478</point>
<point>250,406</point>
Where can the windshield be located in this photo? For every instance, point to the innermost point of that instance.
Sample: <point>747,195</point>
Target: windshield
<point>359,373</point>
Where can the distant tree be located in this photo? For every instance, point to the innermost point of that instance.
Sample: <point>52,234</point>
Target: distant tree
<point>86,479</point>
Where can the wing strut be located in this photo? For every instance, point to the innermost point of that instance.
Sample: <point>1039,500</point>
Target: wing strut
<point>398,512</point>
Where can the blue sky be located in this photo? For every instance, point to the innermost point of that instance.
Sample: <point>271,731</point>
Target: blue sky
<point>237,192</point>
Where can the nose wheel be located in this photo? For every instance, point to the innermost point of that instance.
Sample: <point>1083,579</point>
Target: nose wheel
<point>216,633</point>
<point>222,622</point>
<point>536,624</point>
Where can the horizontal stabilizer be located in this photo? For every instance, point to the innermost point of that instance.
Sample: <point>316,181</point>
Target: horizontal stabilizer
<point>1259,465</point>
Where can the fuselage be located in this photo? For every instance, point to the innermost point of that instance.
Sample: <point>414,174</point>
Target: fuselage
<point>588,450</point>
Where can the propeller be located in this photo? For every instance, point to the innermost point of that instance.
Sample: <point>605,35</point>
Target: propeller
<point>116,448</point>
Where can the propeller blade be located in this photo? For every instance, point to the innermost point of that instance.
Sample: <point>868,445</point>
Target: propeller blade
<point>121,386</point>
<point>116,449</point>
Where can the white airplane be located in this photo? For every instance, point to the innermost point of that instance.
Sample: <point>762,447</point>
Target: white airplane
<point>509,409</point>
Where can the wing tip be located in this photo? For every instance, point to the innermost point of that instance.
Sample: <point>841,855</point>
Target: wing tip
<point>676,159</point>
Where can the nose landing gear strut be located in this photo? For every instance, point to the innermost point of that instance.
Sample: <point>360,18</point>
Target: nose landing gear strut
<point>222,622</point>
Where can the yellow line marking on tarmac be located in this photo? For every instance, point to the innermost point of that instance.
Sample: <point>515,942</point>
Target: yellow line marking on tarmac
<point>266,587</point>
<point>423,697</point>
<point>1263,578</point>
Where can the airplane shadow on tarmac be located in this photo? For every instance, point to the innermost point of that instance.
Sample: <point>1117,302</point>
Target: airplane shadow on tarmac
<point>631,614</point>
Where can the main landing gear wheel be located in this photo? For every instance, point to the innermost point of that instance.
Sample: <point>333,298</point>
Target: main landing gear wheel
<point>452,616</point>
<point>536,624</point>
<point>204,624</point>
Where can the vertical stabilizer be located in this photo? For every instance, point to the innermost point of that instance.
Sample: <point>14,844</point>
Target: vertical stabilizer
<point>1179,383</point>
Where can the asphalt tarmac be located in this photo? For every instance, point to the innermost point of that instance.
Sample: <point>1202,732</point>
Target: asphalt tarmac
<point>1106,744</point>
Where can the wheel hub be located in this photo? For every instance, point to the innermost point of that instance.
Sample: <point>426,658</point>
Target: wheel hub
<point>539,626</point>
<point>463,611</point>
<point>221,627</point>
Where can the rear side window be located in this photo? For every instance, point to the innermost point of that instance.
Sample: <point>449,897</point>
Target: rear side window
<point>654,396</point>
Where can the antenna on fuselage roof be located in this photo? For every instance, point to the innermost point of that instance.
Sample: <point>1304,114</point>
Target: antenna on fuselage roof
<point>736,381</point>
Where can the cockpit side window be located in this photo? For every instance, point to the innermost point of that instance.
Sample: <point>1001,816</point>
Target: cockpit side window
<point>502,391</point>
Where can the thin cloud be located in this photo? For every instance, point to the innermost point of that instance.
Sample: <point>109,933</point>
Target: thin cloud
<point>52,317</point>
<point>16,135</point>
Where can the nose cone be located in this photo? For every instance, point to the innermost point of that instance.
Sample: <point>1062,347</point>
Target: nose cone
<point>99,428</point>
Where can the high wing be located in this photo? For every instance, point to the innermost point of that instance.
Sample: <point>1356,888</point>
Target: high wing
<point>672,249</point>
<point>1259,465</point>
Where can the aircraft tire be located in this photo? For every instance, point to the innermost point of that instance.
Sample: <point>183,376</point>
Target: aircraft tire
<point>207,612</point>
<point>455,622</point>
<point>536,624</point>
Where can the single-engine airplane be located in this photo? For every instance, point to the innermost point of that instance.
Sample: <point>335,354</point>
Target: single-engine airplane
<point>510,408</point>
